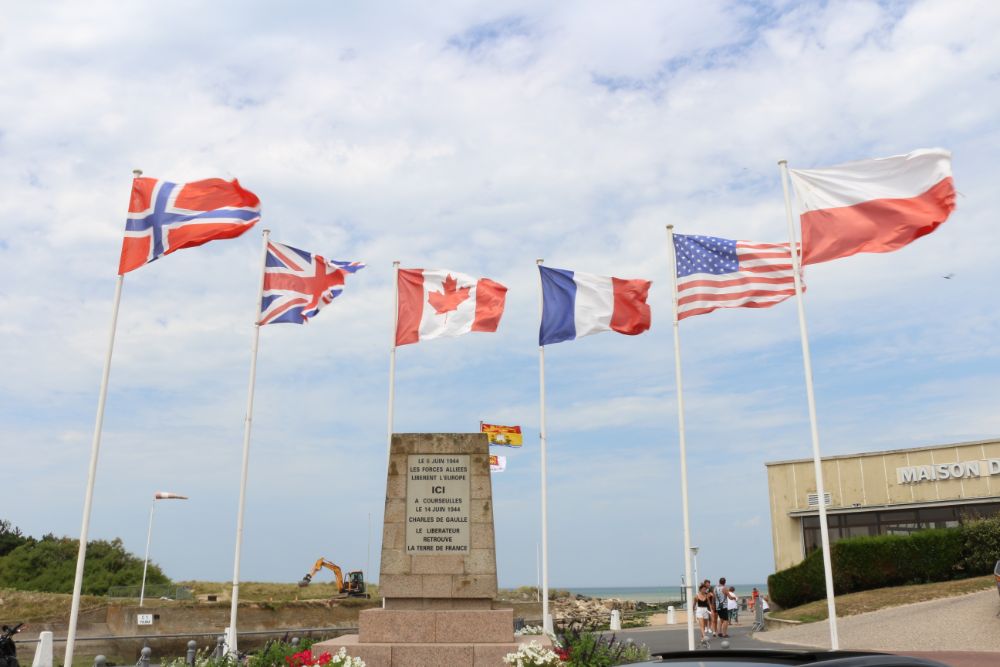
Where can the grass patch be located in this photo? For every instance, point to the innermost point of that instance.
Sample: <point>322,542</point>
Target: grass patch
<point>253,591</point>
<point>882,598</point>
<point>28,606</point>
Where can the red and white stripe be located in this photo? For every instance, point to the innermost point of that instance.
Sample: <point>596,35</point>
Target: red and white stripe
<point>167,495</point>
<point>764,278</point>
<point>873,205</point>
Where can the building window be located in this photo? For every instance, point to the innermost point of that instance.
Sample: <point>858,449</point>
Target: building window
<point>891,522</point>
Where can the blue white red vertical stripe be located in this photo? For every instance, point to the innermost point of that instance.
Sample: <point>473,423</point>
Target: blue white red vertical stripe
<point>578,304</point>
<point>717,273</point>
<point>298,284</point>
<point>164,217</point>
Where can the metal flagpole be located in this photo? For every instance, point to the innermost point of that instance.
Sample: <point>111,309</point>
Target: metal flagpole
<point>231,634</point>
<point>95,449</point>
<point>145,562</point>
<point>688,582</point>
<point>814,429</point>
<point>546,618</point>
<point>392,357</point>
<point>538,572</point>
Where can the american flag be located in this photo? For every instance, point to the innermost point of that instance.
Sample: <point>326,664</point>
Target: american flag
<point>297,284</point>
<point>164,217</point>
<point>722,273</point>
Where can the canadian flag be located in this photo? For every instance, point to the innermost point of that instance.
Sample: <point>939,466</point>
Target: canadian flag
<point>873,205</point>
<point>438,302</point>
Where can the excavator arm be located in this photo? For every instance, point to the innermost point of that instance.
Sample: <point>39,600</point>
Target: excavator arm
<point>319,565</point>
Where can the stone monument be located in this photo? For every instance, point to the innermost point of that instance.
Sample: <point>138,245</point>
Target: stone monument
<point>439,571</point>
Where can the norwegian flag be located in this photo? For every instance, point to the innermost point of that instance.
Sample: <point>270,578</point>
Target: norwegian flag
<point>297,284</point>
<point>164,217</point>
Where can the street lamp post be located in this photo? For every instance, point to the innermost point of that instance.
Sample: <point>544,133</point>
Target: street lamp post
<point>697,581</point>
<point>159,495</point>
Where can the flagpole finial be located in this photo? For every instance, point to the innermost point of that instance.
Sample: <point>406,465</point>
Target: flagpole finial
<point>136,173</point>
<point>784,162</point>
<point>670,226</point>
<point>539,261</point>
<point>266,232</point>
<point>395,262</point>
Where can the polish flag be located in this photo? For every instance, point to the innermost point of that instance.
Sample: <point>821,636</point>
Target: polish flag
<point>578,304</point>
<point>436,302</point>
<point>873,205</point>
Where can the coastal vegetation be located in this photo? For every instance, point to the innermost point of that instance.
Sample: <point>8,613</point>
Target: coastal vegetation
<point>866,563</point>
<point>49,564</point>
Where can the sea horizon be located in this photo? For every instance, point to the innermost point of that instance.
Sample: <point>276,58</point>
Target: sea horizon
<point>650,594</point>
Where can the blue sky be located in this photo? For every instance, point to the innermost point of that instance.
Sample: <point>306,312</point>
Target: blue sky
<point>476,137</point>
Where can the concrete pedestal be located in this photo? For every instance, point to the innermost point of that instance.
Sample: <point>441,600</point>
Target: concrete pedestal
<point>438,574</point>
<point>449,638</point>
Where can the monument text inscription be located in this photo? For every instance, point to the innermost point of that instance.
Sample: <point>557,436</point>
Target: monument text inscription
<point>437,504</point>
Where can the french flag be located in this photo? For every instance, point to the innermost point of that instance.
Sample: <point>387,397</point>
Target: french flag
<point>578,304</point>
<point>876,205</point>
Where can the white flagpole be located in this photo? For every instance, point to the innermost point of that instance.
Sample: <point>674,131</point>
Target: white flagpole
<point>231,635</point>
<point>688,582</point>
<point>145,561</point>
<point>538,572</point>
<point>814,429</point>
<point>95,450</point>
<point>546,618</point>
<point>392,358</point>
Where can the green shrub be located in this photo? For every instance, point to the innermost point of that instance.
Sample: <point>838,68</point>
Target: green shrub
<point>49,565</point>
<point>11,537</point>
<point>274,653</point>
<point>585,648</point>
<point>981,545</point>
<point>864,563</point>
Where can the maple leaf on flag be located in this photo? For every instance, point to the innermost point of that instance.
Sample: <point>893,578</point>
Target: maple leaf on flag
<point>451,297</point>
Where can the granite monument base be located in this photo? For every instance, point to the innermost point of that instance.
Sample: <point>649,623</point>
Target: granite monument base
<point>425,638</point>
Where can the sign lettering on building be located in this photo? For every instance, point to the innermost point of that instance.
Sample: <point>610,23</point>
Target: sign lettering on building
<point>943,471</point>
<point>437,504</point>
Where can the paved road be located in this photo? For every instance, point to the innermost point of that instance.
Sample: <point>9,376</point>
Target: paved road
<point>674,638</point>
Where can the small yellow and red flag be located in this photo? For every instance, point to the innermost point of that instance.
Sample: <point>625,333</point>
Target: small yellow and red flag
<point>506,436</point>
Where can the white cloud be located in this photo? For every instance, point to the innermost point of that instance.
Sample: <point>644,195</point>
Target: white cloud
<point>477,137</point>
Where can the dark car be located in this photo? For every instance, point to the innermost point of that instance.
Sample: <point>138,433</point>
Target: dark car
<point>757,658</point>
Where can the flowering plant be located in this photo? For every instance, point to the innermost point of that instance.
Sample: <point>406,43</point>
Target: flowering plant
<point>530,630</point>
<point>532,655</point>
<point>307,659</point>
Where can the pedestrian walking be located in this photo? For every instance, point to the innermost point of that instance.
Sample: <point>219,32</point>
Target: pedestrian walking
<point>721,594</point>
<point>702,611</point>
<point>712,607</point>
<point>733,606</point>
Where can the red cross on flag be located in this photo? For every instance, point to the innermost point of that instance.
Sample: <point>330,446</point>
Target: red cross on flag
<point>297,284</point>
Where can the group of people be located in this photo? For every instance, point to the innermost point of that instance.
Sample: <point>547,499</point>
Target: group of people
<point>715,607</point>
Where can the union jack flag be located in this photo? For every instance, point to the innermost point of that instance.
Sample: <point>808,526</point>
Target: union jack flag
<point>297,284</point>
<point>164,217</point>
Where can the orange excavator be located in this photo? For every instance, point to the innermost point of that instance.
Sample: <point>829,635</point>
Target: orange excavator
<point>354,586</point>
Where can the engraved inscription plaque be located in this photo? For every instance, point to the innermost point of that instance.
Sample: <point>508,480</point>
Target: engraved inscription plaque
<point>437,504</point>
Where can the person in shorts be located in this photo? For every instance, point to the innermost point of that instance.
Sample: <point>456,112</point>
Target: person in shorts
<point>712,608</point>
<point>733,606</point>
<point>721,594</point>
<point>702,610</point>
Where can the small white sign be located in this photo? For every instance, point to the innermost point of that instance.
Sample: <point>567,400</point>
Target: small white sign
<point>145,619</point>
